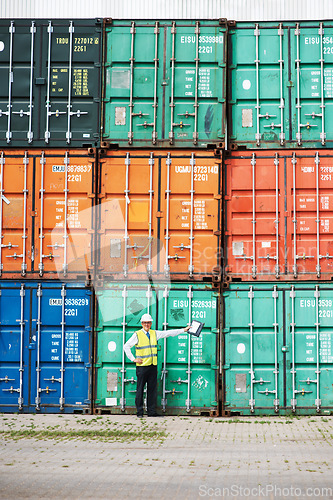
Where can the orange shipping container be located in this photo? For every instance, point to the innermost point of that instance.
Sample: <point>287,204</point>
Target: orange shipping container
<point>46,213</point>
<point>279,215</point>
<point>160,215</point>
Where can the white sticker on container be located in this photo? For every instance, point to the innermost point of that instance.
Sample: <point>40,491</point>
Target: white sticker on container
<point>246,84</point>
<point>86,136</point>
<point>2,46</point>
<point>58,168</point>
<point>237,248</point>
<point>110,401</point>
<point>266,244</point>
<point>112,346</point>
<point>241,348</point>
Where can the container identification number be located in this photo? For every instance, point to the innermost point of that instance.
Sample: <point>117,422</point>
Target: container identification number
<point>71,168</point>
<point>69,302</point>
<point>202,39</point>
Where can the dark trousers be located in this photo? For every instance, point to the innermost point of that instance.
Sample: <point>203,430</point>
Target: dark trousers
<point>146,375</point>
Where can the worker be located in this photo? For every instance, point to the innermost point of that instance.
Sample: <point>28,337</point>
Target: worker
<point>145,342</point>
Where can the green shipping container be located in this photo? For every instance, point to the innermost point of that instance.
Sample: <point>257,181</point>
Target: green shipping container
<point>164,83</point>
<point>280,84</point>
<point>278,342</point>
<point>188,366</point>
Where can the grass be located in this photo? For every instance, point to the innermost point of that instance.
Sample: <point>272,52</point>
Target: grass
<point>96,435</point>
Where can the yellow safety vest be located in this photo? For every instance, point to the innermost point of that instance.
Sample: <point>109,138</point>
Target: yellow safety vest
<point>146,349</point>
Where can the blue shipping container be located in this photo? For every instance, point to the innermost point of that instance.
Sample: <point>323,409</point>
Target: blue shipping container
<point>45,347</point>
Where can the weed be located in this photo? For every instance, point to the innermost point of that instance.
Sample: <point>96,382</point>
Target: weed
<point>98,434</point>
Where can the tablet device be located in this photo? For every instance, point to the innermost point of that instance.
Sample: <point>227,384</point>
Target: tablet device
<point>196,327</point>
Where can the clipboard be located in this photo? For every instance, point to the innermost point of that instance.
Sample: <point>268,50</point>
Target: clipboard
<point>196,327</point>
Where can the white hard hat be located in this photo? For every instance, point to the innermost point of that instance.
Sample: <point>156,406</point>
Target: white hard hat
<point>146,317</point>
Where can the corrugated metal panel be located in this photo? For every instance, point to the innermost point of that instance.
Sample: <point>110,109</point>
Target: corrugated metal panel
<point>45,349</point>
<point>278,348</point>
<point>46,213</point>
<point>278,215</point>
<point>164,83</point>
<point>240,10</point>
<point>50,82</point>
<point>187,365</point>
<point>152,222</point>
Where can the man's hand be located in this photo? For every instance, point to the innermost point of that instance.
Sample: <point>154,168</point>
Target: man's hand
<point>139,361</point>
<point>187,328</point>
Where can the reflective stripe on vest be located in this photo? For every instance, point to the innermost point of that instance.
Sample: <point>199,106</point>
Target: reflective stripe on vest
<point>146,349</point>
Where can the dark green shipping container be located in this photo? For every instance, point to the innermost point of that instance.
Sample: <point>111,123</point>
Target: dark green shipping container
<point>50,82</point>
<point>278,342</point>
<point>188,366</point>
<point>280,89</point>
<point>164,83</point>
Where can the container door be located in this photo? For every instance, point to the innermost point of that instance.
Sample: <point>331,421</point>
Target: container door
<point>258,82</point>
<point>310,222</point>
<point>190,364</point>
<point>16,177</point>
<point>132,81</point>
<point>128,225</point>
<point>309,314</point>
<point>119,312</point>
<point>17,69</point>
<point>70,83</point>
<point>253,366</point>
<point>15,344</point>
<point>312,51</point>
<point>64,200</point>
<point>196,84</point>
<point>253,216</point>
<point>191,215</point>
<point>60,349</point>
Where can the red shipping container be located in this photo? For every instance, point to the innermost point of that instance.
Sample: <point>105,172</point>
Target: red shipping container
<point>278,220</point>
<point>160,215</point>
<point>46,213</point>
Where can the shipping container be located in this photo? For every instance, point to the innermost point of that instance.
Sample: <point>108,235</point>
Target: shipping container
<point>164,83</point>
<point>46,347</point>
<point>280,85</point>
<point>278,345</point>
<point>160,215</point>
<point>188,366</point>
<point>278,215</point>
<point>47,213</point>
<point>50,82</point>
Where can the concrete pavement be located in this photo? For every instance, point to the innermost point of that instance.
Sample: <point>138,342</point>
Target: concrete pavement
<point>122,457</point>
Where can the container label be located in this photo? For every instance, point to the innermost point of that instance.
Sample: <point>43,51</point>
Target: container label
<point>73,350</point>
<point>58,168</point>
<point>325,348</point>
<point>110,401</point>
<point>55,302</point>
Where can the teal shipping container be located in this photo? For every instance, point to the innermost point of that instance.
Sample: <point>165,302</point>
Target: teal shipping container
<point>278,343</point>
<point>188,366</point>
<point>280,87</point>
<point>164,83</point>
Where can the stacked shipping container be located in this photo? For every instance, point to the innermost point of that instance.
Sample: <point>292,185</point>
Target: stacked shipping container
<point>86,206</point>
<point>49,116</point>
<point>278,219</point>
<point>159,235</point>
